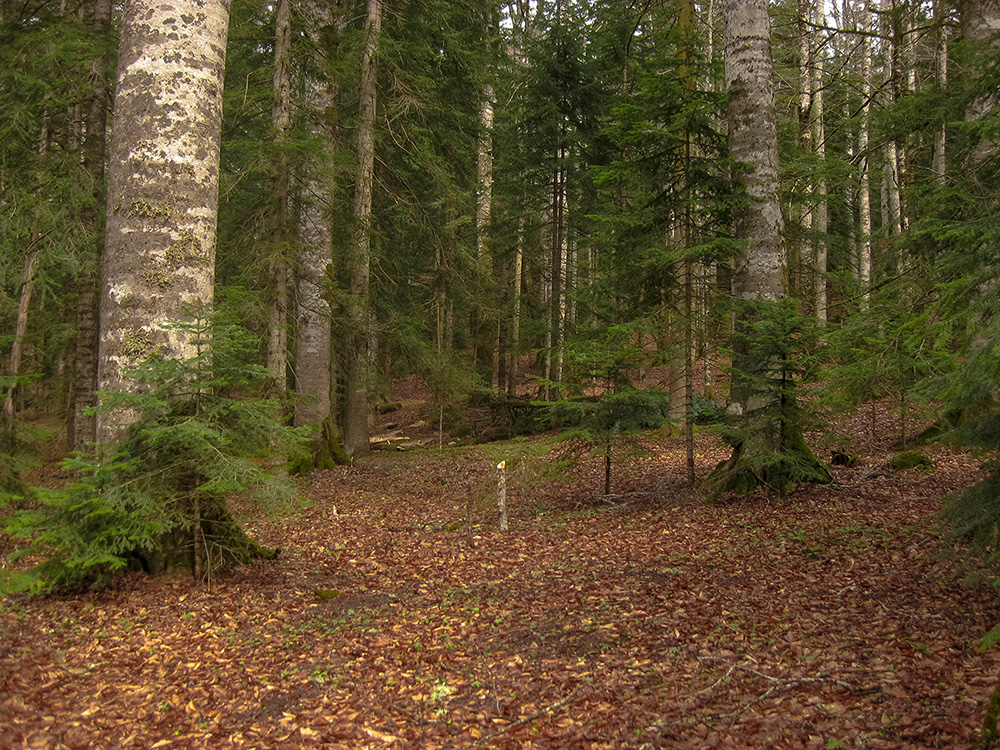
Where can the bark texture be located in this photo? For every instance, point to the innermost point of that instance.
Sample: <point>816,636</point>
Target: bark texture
<point>357,430</point>
<point>753,142</point>
<point>768,447</point>
<point>313,315</point>
<point>281,119</point>
<point>82,426</point>
<point>162,185</point>
<point>759,273</point>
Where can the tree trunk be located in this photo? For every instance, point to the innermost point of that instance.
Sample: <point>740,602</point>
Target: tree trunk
<point>821,216</point>
<point>797,269</point>
<point>758,275</point>
<point>769,448</point>
<point>864,188</point>
<point>485,323</point>
<point>979,26</point>
<point>313,362</point>
<point>556,262</point>
<point>163,185</point>
<point>515,315</point>
<point>163,180</point>
<point>281,120</point>
<point>21,325</point>
<point>357,433</point>
<point>81,430</point>
<point>939,161</point>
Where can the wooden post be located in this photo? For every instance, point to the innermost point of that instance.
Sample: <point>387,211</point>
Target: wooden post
<point>502,494</point>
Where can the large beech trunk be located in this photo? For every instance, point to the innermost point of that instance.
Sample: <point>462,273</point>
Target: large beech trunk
<point>759,274</point>
<point>159,256</point>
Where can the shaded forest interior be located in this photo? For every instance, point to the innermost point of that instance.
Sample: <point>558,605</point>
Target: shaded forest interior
<point>714,284</point>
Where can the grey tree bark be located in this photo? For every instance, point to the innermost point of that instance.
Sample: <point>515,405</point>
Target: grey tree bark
<point>979,27</point>
<point>753,142</point>
<point>281,120</point>
<point>939,161</point>
<point>486,325</point>
<point>313,361</point>
<point>159,256</point>
<point>864,188</point>
<point>81,429</point>
<point>163,184</point>
<point>769,447</point>
<point>821,211</point>
<point>356,429</point>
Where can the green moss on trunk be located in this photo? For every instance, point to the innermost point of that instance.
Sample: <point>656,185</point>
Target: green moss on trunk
<point>324,451</point>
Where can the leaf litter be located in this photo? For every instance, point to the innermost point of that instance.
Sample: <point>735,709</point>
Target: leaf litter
<point>647,620</point>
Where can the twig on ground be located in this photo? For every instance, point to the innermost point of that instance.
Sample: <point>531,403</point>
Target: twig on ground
<point>528,719</point>
<point>778,684</point>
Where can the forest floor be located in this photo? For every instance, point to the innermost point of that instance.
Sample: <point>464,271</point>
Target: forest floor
<point>646,619</point>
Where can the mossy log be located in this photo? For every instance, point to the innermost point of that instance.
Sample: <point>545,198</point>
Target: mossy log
<point>911,460</point>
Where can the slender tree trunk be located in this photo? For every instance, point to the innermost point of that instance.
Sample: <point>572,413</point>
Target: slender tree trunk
<point>314,319</point>
<point>805,107</point>
<point>27,286</point>
<point>864,190</point>
<point>163,186</point>
<point>939,161</point>
<point>281,119</point>
<point>277,313</point>
<point>485,319</point>
<point>821,215</point>
<point>515,316</point>
<point>555,270</point>
<point>21,324</point>
<point>893,33</point>
<point>81,430</point>
<point>357,432</point>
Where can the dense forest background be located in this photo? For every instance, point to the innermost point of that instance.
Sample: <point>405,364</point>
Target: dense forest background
<point>230,228</point>
<point>529,200</point>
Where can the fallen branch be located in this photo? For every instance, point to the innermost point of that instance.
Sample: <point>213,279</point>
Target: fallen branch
<point>528,719</point>
<point>778,684</point>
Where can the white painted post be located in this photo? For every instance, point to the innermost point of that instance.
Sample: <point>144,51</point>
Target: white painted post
<point>502,494</point>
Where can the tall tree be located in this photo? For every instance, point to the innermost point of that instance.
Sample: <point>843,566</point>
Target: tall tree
<point>82,424</point>
<point>317,200</point>
<point>769,448</point>
<point>359,370</point>
<point>281,121</point>
<point>163,180</point>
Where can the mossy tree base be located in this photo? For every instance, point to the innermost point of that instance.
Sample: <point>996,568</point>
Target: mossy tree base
<point>213,541</point>
<point>775,456</point>
<point>324,452</point>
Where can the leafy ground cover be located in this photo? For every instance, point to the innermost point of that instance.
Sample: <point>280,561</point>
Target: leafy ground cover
<point>645,620</point>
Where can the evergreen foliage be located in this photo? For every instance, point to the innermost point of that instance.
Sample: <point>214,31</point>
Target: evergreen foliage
<point>608,425</point>
<point>768,447</point>
<point>889,349</point>
<point>202,433</point>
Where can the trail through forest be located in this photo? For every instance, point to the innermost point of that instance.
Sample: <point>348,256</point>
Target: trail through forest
<point>644,620</point>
